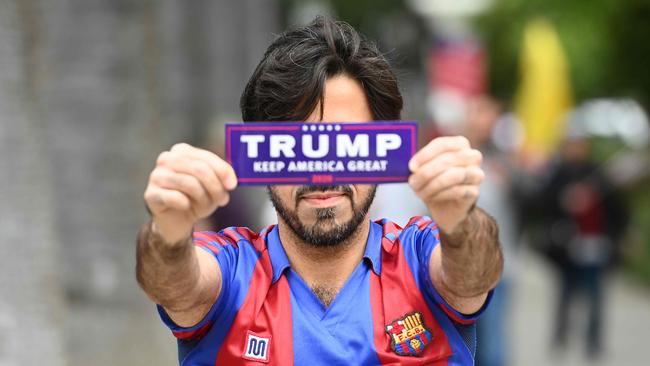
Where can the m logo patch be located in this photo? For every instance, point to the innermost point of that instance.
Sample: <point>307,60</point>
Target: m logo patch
<point>257,348</point>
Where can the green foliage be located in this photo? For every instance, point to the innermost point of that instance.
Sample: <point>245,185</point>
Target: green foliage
<point>365,15</point>
<point>630,71</point>
<point>604,40</point>
<point>638,245</point>
<point>606,44</point>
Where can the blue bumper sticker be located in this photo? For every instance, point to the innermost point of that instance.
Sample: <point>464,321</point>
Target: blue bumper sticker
<point>264,153</point>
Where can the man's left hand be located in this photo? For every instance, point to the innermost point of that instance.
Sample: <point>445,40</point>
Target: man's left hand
<point>446,175</point>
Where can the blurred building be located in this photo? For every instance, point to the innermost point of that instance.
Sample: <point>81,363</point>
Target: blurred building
<point>91,92</point>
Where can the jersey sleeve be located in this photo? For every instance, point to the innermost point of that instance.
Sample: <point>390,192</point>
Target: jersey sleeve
<point>425,237</point>
<point>226,253</point>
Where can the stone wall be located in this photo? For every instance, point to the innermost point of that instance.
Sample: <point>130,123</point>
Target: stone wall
<point>90,92</point>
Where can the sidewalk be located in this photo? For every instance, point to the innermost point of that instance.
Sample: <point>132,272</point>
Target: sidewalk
<point>626,326</point>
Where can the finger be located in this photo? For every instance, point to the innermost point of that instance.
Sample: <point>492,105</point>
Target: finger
<point>183,160</point>
<point>437,147</point>
<point>463,193</point>
<point>222,169</point>
<point>431,169</point>
<point>454,176</point>
<point>200,169</point>
<point>160,199</point>
<point>185,183</point>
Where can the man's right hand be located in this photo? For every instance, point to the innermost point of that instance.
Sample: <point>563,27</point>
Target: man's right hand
<point>186,185</point>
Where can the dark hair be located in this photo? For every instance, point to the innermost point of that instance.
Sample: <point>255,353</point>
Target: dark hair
<point>288,83</point>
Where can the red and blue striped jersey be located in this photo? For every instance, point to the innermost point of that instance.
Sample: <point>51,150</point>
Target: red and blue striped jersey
<point>387,313</point>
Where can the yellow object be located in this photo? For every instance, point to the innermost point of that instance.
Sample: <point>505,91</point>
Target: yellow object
<point>544,95</point>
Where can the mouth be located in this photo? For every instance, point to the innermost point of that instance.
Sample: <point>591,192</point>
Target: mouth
<point>323,199</point>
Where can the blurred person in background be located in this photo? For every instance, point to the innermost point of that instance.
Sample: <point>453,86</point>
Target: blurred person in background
<point>584,220</point>
<point>498,196</point>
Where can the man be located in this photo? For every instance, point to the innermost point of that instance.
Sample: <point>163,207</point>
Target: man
<point>325,286</point>
<point>585,219</point>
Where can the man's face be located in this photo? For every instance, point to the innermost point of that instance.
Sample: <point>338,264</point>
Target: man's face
<point>327,215</point>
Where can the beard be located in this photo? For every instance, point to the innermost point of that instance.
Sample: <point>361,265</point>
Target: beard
<point>325,232</point>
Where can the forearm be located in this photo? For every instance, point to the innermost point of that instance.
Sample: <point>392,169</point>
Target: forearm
<point>470,258</point>
<point>168,273</point>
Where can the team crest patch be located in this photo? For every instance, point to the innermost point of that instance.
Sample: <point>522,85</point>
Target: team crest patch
<point>409,335</point>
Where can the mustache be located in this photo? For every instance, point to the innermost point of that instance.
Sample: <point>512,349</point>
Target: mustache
<point>304,190</point>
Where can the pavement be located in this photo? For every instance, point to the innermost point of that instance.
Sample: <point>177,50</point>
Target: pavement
<point>626,326</point>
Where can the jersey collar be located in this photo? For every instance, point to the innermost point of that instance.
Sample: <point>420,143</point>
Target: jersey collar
<point>373,247</point>
<point>280,261</point>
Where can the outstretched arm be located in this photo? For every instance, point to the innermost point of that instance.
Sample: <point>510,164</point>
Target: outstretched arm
<point>182,278</point>
<point>186,185</point>
<point>468,262</point>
